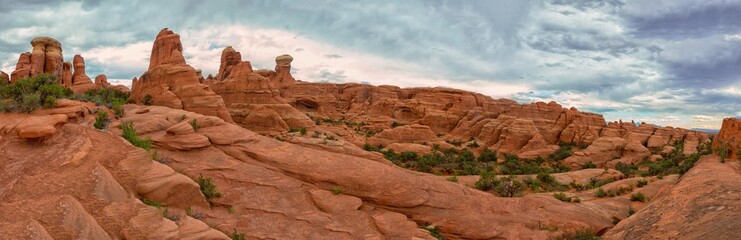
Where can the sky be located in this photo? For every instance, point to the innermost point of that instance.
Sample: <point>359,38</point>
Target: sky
<point>667,62</point>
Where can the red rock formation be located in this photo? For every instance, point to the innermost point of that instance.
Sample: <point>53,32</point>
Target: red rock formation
<point>46,57</point>
<point>729,138</point>
<point>101,81</point>
<point>4,77</point>
<point>704,204</point>
<point>171,82</point>
<point>22,68</point>
<point>80,81</point>
<point>254,101</point>
<point>67,77</point>
<point>229,59</point>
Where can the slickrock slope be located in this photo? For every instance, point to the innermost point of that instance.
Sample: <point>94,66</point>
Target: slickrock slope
<point>80,183</point>
<point>729,138</point>
<point>280,190</point>
<point>171,82</point>
<point>704,204</point>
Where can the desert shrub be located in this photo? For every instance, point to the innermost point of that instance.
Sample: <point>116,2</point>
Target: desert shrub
<point>408,156</point>
<point>638,197</point>
<point>642,183</point>
<point>102,120</point>
<point>207,187</point>
<point>488,156</point>
<point>396,124</point>
<point>487,181</point>
<point>589,164</point>
<point>28,94</point>
<point>303,131</point>
<point>294,129</point>
<point>473,144</point>
<point>509,187</point>
<point>581,234</point>
<point>193,123</point>
<point>128,132</point>
<point>455,142</point>
<point>454,178</point>
<point>434,231</point>
<point>336,190</point>
<point>562,196</point>
<point>600,193</point>
<point>564,151</point>
<point>148,100</point>
<point>237,235</point>
<point>627,169</point>
<point>546,178</point>
<point>193,214</point>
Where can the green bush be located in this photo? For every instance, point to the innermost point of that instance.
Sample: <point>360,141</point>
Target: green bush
<point>638,197</point>
<point>237,235</point>
<point>546,178</point>
<point>487,181</point>
<point>28,94</point>
<point>434,232</point>
<point>303,131</point>
<point>128,132</point>
<point>582,234</point>
<point>102,120</point>
<point>148,100</point>
<point>193,123</point>
<point>600,193</point>
<point>642,183</point>
<point>336,190</point>
<point>627,169</point>
<point>488,156</point>
<point>589,164</point>
<point>562,196</point>
<point>509,187</point>
<point>207,187</point>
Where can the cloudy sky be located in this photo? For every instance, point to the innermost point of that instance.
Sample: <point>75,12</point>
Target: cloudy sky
<point>668,62</point>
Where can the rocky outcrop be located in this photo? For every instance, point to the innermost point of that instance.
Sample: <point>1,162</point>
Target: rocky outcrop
<point>4,77</point>
<point>704,204</point>
<point>729,138</point>
<point>171,82</point>
<point>253,100</point>
<point>46,57</point>
<point>80,81</point>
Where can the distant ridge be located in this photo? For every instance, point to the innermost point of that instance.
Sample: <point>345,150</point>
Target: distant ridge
<point>711,131</point>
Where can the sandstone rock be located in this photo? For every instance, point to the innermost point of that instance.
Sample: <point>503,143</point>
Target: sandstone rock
<point>170,82</point>
<point>22,68</point>
<point>229,59</point>
<point>4,77</point>
<point>729,138</point>
<point>80,81</point>
<point>101,81</point>
<point>38,127</point>
<point>686,211</point>
<point>404,134</point>
<point>254,101</point>
<point>603,149</point>
<point>67,75</point>
<point>46,57</point>
<point>283,70</point>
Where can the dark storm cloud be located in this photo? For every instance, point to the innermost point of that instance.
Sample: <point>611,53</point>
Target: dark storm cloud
<point>684,19</point>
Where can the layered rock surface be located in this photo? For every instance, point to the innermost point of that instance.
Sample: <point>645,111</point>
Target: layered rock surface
<point>171,82</point>
<point>729,138</point>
